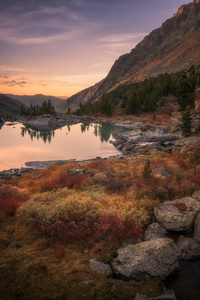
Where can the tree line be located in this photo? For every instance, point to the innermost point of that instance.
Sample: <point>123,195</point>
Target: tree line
<point>36,110</point>
<point>147,95</point>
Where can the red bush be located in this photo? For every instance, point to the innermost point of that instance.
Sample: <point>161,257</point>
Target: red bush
<point>80,227</point>
<point>196,180</point>
<point>59,251</point>
<point>11,198</point>
<point>115,230</point>
<point>116,185</point>
<point>181,206</point>
<point>63,180</point>
<point>181,163</point>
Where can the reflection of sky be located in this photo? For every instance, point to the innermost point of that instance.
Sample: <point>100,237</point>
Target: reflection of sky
<point>67,143</point>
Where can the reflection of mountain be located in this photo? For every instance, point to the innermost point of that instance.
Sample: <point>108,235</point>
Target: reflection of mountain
<point>45,135</point>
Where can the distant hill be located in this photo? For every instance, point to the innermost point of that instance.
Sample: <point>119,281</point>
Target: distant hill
<point>9,108</point>
<point>36,99</point>
<point>172,47</point>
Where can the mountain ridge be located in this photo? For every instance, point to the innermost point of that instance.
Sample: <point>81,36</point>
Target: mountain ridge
<point>172,47</point>
<point>36,99</point>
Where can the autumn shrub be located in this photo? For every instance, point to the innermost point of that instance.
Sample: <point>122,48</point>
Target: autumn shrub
<point>11,198</point>
<point>181,162</point>
<point>69,216</point>
<point>62,180</point>
<point>115,230</point>
<point>59,251</point>
<point>118,184</point>
<point>96,164</point>
<point>196,179</point>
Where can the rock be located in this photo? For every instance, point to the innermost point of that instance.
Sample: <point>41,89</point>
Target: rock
<point>188,249</point>
<point>75,171</point>
<point>141,297</point>
<point>154,231</point>
<point>100,267</point>
<point>168,295</point>
<point>151,259</point>
<point>185,141</point>
<point>177,215</point>
<point>161,171</point>
<point>196,195</point>
<point>197,228</point>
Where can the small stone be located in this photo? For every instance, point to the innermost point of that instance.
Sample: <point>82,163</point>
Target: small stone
<point>197,228</point>
<point>154,231</point>
<point>188,249</point>
<point>100,267</point>
<point>140,297</point>
<point>196,195</point>
<point>168,295</point>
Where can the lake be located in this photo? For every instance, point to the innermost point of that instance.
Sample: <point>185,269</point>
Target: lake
<point>20,143</point>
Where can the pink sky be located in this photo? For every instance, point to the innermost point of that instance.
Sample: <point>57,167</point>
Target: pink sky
<point>61,47</point>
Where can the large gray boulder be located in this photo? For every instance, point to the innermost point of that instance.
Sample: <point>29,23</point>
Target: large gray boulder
<point>154,231</point>
<point>197,228</point>
<point>151,259</point>
<point>182,143</point>
<point>177,215</point>
<point>188,248</point>
<point>100,267</point>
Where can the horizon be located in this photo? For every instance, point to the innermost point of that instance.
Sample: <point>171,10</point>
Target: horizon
<point>60,49</point>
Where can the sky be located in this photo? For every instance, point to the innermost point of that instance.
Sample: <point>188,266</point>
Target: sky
<point>60,47</point>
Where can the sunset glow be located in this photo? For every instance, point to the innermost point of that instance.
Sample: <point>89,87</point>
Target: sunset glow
<point>61,47</point>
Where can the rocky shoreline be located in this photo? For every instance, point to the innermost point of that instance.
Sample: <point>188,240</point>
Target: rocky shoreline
<point>158,256</point>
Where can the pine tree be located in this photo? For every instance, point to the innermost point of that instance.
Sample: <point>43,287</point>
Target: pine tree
<point>186,121</point>
<point>147,169</point>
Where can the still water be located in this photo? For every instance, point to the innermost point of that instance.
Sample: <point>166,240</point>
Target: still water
<point>19,144</point>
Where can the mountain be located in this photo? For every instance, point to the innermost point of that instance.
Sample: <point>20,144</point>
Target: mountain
<point>172,47</point>
<point>9,108</point>
<point>79,98</point>
<point>36,99</point>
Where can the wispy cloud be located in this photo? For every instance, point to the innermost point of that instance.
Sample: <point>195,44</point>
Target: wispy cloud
<point>8,68</point>
<point>101,64</point>
<point>120,38</point>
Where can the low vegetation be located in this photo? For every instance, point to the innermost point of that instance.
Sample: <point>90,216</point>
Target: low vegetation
<point>57,222</point>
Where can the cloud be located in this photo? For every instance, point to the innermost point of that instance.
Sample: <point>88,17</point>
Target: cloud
<point>8,68</point>
<point>120,38</point>
<point>101,64</point>
<point>12,83</point>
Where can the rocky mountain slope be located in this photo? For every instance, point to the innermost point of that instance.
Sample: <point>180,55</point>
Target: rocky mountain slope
<point>36,99</point>
<point>9,108</point>
<point>172,47</point>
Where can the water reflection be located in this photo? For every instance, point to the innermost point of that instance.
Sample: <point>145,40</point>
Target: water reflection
<point>45,135</point>
<point>103,131</point>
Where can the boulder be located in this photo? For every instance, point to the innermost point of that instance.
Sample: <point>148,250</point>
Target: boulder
<point>161,171</point>
<point>141,297</point>
<point>188,248</point>
<point>151,259</point>
<point>196,195</point>
<point>154,231</point>
<point>75,171</point>
<point>177,215</point>
<point>100,267</point>
<point>168,295</point>
<point>197,228</point>
<point>185,141</point>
